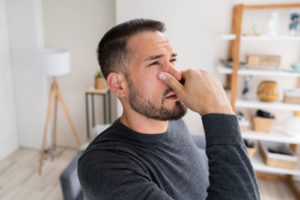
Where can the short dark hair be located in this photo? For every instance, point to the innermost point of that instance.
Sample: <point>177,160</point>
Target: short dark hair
<point>112,52</point>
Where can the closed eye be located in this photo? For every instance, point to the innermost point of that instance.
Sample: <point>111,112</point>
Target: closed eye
<point>154,63</point>
<point>173,60</point>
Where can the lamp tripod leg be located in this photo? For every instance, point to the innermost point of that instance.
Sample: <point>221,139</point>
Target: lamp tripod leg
<point>55,117</point>
<point>68,117</point>
<point>46,128</point>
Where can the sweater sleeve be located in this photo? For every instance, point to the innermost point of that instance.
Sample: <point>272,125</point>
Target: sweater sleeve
<point>115,177</point>
<point>231,174</point>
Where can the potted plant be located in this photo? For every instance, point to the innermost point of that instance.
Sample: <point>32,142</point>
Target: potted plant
<point>99,81</point>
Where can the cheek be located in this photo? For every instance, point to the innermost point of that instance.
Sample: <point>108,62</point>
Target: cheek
<point>152,86</point>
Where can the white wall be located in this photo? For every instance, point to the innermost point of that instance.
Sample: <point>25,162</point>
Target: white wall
<point>77,26</point>
<point>30,88</point>
<point>8,123</point>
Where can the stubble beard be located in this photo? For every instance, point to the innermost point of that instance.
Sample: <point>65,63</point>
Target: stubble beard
<point>148,109</point>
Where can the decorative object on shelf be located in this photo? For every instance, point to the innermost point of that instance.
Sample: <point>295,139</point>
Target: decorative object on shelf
<point>295,66</point>
<point>251,147</point>
<point>247,86</point>
<point>277,155</point>
<point>228,63</point>
<point>267,91</point>
<point>263,61</point>
<point>292,96</point>
<point>263,121</point>
<point>243,122</point>
<point>55,62</point>
<point>99,81</point>
<point>273,24</point>
<point>294,26</point>
<point>291,126</point>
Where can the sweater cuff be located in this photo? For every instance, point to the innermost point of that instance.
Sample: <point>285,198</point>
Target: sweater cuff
<point>222,129</point>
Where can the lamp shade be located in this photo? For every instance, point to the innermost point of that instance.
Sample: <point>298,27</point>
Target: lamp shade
<point>55,62</point>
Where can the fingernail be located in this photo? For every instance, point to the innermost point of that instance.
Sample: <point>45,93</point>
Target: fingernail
<point>162,76</point>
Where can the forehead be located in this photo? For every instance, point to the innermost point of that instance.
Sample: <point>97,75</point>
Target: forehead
<point>149,43</point>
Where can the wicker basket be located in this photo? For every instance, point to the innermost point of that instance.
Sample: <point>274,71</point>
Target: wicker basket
<point>261,124</point>
<point>291,99</point>
<point>251,151</point>
<point>262,60</point>
<point>292,96</point>
<point>277,160</point>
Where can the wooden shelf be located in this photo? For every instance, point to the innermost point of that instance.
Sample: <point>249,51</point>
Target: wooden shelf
<point>240,103</point>
<point>259,72</point>
<point>273,136</point>
<point>92,90</point>
<point>262,37</point>
<point>260,166</point>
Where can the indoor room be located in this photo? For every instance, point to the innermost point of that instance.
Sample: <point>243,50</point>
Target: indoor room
<point>140,99</point>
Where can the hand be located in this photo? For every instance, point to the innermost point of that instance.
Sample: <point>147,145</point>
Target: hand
<point>200,92</point>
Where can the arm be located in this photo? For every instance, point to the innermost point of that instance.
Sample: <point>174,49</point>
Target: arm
<point>231,175</point>
<point>117,178</point>
<point>230,172</point>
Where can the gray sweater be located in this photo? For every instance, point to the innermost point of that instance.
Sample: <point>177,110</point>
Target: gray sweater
<point>122,164</point>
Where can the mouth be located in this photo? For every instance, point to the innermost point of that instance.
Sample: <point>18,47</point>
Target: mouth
<point>171,96</point>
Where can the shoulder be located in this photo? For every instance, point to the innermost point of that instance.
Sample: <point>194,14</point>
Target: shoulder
<point>178,125</point>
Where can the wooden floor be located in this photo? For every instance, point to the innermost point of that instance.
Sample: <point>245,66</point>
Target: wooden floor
<point>19,178</point>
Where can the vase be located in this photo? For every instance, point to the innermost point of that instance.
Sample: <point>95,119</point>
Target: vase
<point>99,83</point>
<point>267,91</point>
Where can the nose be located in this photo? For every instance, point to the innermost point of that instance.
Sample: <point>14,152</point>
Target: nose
<point>171,69</point>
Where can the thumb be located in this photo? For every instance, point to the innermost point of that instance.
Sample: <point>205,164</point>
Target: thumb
<point>170,81</point>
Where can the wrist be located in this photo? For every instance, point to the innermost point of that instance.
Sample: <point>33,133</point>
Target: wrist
<point>227,110</point>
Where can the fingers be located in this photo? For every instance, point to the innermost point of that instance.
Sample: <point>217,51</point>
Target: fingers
<point>170,81</point>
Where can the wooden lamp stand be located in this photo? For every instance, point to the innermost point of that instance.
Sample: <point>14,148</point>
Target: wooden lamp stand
<point>54,92</point>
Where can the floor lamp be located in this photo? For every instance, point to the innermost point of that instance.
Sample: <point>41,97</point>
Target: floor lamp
<point>55,62</point>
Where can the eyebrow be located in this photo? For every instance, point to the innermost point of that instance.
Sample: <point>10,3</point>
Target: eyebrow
<point>158,56</point>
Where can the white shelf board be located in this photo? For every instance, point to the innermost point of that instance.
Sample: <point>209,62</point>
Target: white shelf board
<point>273,136</point>
<point>259,165</point>
<point>240,103</point>
<point>262,37</point>
<point>259,72</point>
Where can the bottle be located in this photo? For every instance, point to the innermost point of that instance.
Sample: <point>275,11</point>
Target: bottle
<point>273,25</point>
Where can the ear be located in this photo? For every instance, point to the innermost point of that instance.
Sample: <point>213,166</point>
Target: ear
<point>117,83</point>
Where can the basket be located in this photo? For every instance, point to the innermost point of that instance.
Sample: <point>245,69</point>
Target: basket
<point>261,124</point>
<point>263,61</point>
<point>276,159</point>
<point>291,99</point>
<point>292,96</point>
<point>251,151</point>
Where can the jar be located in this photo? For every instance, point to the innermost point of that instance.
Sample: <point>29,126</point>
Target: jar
<point>267,91</point>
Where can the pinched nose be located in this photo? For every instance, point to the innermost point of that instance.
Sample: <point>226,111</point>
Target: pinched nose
<point>171,69</point>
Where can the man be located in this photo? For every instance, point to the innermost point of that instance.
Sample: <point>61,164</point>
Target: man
<point>148,153</point>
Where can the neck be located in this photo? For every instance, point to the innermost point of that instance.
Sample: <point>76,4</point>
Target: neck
<point>142,124</point>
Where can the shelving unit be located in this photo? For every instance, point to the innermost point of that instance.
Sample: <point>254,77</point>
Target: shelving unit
<point>262,37</point>
<point>260,72</point>
<point>235,39</point>
<point>259,165</point>
<point>273,136</point>
<point>263,105</point>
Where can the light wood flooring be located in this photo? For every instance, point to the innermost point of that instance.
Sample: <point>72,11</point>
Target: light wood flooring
<point>19,178</point>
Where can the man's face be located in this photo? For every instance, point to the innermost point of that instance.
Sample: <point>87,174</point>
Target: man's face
<point>150,54</point>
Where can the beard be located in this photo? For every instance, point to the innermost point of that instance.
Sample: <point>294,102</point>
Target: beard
<point>147,108</point>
